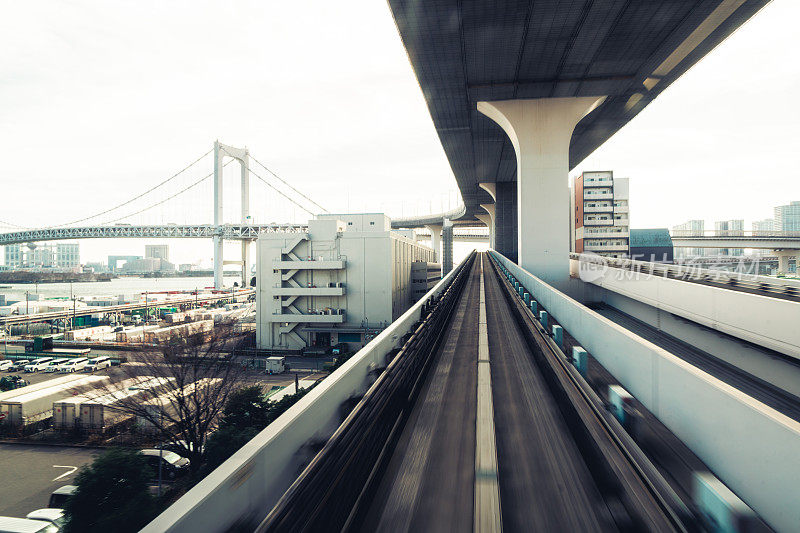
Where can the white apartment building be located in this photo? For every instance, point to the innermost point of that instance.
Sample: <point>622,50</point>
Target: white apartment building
<point>68,255</point>
<point>62,255</point>
<point>600,214</point>
<point>729,228</point>
<point>691,228</point>
<point>156,251</point>
<point>13,255</point>
<point>343,281</point>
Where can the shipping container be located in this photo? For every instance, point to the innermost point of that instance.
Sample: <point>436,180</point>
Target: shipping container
<point>167,402</point>
<point>33,406</point>
<point>101,413</point>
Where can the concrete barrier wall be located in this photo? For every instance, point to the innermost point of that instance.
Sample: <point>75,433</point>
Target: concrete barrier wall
<point>768,322</point>
<point>249,484</point>
<point>752,448</point>
<point>776,369</point>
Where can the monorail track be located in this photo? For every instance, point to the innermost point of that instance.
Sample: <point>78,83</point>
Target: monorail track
<point>562,463</point>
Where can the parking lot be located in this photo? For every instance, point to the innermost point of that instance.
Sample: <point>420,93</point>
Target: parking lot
<point>31,472</point>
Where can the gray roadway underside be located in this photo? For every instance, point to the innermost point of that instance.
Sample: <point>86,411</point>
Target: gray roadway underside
<point>465,51</point>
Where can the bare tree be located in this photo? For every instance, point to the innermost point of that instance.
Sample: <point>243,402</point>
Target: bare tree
<point>186,382</point>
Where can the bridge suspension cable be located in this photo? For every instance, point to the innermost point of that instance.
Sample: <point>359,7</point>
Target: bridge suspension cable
<point>168,198</point>
<point>123,204</point>
<point>288,185</point>
<point>268,184</point>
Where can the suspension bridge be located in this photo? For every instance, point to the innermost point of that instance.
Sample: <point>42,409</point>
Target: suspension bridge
<point>185,191</point>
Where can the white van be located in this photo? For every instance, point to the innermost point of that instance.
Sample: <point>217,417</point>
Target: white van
<point>23,525</point>
<point>55,363</point>
<point>49,515</point>
<point>38,364</point>
<point>6,364</point>
<point>73,365</point>
<point>97,363</point>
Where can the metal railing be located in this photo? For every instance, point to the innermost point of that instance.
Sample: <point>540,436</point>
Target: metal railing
<point>767,286</point>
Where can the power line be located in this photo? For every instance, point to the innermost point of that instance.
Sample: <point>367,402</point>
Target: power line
<point>123,204</point>
<point>288,185</point>
<point>282,193</point>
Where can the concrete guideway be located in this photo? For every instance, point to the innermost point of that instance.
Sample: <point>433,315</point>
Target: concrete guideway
<point>728,430</point>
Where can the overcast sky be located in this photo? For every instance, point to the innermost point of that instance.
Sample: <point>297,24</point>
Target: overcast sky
<point>102,100</point>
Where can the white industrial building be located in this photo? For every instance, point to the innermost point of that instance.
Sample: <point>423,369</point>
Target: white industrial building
<point>343,281</point>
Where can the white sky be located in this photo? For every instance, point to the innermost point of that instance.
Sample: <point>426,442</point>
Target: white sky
<point>102,100</point>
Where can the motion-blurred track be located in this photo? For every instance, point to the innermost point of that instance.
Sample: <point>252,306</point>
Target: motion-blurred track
<point>562,464</point>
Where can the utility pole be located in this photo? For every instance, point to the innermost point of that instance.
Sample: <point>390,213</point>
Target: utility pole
<point>27,313</point>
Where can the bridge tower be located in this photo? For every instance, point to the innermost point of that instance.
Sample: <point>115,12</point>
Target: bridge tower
<point>243,156</point>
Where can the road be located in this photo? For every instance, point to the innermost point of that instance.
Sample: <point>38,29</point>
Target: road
<point>30,473</point>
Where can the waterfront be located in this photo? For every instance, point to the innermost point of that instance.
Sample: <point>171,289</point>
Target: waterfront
<point>114,287</point>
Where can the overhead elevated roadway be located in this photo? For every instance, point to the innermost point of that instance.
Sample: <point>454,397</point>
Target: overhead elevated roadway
<point>587,266</point>
<point>520,92</point>
<point>763,315</point>
<point>756,242</point>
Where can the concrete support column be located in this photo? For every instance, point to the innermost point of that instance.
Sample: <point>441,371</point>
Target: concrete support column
<point>490,208</point>
<point>436,239</point>
<point>487,219</point>
<point>541,130</point>
<point>783,260</point>
<point>505,220</point>
<point>447,246</point>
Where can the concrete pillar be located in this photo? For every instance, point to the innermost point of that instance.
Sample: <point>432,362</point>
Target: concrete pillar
<point>783,260</point>
<point>505,219</point>
<point>447,246</point>
<point>487,220</point>
<point>436,239</point>
<point>541,130</point>
<point>489,208</point>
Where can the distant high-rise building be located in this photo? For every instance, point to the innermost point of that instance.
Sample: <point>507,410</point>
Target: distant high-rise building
<point>787,217</point>
<point>762,226</point>
<point>768,224</point>
<point>692,228</point>
<point>13,255</point>
<point>40,256</point>
<point>729,228</point>
<point>156,251</point>
<point>68,255</point>
<point>600,214</point>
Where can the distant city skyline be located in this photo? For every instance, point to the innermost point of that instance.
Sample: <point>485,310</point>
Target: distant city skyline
<point>97,102</point>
